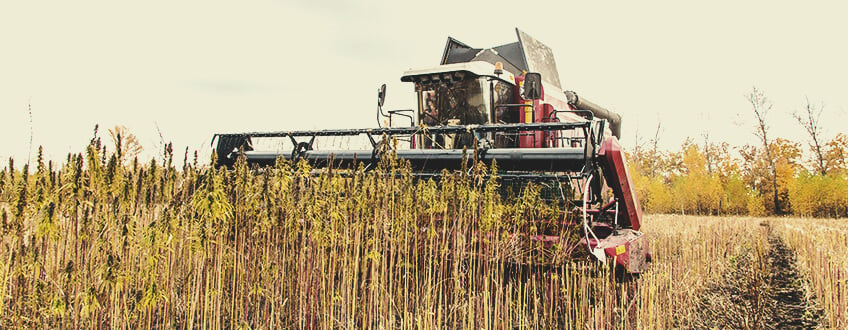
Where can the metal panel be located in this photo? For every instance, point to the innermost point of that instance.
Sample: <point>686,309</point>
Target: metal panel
<point>540,58</point>
<point>457,52</point>
<point>618,178</point>
<point>514,55</point>
<point>511,55</point>
<point>490,56</point>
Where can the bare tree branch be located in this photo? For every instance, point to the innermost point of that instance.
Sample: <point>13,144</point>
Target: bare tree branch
<point>810,121</point>
<point>654,143</point>
<point>708,151</point>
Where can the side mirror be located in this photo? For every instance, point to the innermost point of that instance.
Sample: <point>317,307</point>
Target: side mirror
<point>381,95</point>
<point>532,86</point>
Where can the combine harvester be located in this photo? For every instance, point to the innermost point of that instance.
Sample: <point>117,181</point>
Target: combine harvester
<point>503,104</point>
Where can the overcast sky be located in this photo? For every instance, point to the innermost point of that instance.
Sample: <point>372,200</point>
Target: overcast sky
<point>194,68</point>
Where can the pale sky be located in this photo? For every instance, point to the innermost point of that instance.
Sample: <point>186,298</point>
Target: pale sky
<point>195,68</point>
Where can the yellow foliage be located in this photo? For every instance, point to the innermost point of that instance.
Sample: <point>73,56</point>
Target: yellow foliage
<point>661,199</point>
<point>819,195</point>
<point>756,204</point>
<point>707,180</point>
<point>736,196</point>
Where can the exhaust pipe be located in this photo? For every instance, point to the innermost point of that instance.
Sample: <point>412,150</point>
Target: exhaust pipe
<point>582,104</point>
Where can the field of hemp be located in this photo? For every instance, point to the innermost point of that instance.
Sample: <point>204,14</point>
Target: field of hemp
<point>102,241</point>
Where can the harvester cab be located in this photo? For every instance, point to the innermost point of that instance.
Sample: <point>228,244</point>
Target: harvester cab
<point>505,104</point>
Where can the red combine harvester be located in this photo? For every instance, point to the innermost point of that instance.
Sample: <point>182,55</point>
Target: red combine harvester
<point>505,104</point>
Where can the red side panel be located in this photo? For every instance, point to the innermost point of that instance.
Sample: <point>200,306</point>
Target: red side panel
<point>618,178</point>
<point>527,115</point>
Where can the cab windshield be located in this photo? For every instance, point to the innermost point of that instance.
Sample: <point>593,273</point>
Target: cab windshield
<point>454,103</point>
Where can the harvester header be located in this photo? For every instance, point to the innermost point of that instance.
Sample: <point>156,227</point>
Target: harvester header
<point>502,104</point>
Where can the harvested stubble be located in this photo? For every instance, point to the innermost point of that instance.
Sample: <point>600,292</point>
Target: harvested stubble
<point>691,255</point>
<point>94,243</point>
<point>821,247</point>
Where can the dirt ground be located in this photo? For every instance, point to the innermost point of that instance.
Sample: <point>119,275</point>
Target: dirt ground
<point>763,290</point>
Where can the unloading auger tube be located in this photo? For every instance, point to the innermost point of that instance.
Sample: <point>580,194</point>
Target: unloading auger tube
<point>600,112</point>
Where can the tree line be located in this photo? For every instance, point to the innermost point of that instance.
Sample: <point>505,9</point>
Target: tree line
<point>773,177</point>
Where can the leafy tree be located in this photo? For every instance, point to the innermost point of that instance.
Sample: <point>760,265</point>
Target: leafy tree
<point>736,195</point>
<point>695,189</point>
<point>723,166</point>
<point>819,195</point>
<point>836,153</point>
<point>783,156</point>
